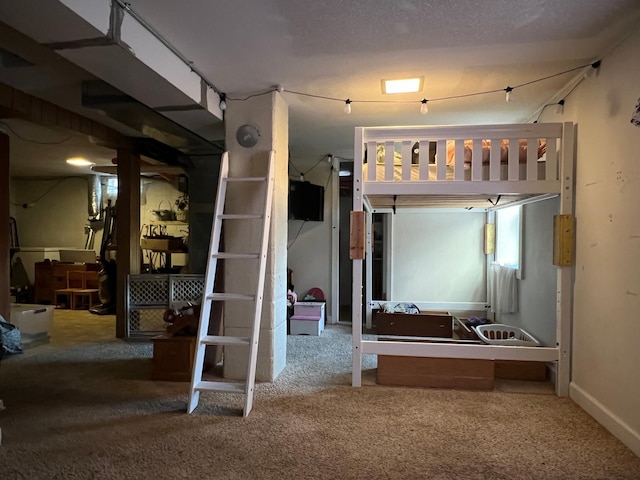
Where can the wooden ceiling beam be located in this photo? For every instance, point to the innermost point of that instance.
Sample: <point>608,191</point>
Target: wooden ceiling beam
<point>17,104</point>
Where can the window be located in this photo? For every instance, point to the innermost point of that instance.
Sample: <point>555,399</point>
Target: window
<point>509,238</point>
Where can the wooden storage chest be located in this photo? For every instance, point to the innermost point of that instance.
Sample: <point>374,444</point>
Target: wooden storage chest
<point>173,357</point>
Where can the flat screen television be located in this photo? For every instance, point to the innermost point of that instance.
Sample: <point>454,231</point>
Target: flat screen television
<point>306,201</point>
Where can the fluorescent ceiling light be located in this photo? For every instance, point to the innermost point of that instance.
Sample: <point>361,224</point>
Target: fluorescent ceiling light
<point>403,85</point>
<point>79,162</point>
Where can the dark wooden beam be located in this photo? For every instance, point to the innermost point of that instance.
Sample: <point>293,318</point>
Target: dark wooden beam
<point>128,253</point>
<point>17,104</point>
<point>5,267</point>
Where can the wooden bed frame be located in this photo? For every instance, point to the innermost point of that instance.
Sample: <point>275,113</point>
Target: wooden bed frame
<point>437,184</point>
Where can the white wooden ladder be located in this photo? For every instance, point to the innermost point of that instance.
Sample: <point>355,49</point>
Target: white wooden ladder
<point>245,388</point>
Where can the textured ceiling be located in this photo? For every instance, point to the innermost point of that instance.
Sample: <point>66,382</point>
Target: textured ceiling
<point>342,49</point>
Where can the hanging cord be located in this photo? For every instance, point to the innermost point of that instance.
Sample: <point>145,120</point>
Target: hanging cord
<point>496,202</point>
<point>296,237</point>
<point>24,139</point>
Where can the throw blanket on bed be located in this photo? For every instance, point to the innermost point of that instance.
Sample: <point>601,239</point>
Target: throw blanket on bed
<point>486,151</point>
<point>503,289</point>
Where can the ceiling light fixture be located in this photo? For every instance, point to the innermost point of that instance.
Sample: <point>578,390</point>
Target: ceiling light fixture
<point>79,162</point>
<point>424,109</point>
<point>402,85</point>
<point>347,107</point>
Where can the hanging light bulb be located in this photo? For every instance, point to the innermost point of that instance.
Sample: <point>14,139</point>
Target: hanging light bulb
<point>424,109</point>
<point>223,105</point>
<point>590,72</point>
<point>508,96</point>
<point>347,107</point>
<point>560,107</point>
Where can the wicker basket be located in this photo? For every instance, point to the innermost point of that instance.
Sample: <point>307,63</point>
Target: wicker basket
<point>500,334</point>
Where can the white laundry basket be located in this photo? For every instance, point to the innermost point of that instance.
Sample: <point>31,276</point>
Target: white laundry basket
<point>500,334</point>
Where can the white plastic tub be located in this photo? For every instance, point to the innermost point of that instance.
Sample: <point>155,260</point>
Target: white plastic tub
<point>500,334</point>
<point>33,321</point>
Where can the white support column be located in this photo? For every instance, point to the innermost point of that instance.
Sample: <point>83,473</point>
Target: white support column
<point>356,297</point>
<point>565,274</point>
<point>368,271</point>
<point>269,114</point>
<point>335,241</point>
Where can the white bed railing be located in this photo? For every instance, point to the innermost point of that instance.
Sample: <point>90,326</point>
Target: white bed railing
<point>438,178</point>
<point>385,156</point>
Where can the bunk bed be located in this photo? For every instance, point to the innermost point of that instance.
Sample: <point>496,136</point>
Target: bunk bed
<point>455,167</point>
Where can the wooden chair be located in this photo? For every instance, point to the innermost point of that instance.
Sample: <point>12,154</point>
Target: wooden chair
<point>75,282</point>
<point>85,296</point>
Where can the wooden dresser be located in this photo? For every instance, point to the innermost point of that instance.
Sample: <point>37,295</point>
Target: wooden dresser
<point>50,276</point>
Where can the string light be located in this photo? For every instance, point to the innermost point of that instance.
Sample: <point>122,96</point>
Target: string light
<point>590,72</point>
<point>424,109</point>
<point>508,97</point>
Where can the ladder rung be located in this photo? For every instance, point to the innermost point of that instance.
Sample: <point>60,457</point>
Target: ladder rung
<point>240,216</point>
<point>229,296</point>
<point>224,340</point>
<point>234,256</point>
<point>246,179</point>
<point>222,387</point>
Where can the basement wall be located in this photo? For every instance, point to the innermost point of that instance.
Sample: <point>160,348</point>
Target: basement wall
<point>605,377</point>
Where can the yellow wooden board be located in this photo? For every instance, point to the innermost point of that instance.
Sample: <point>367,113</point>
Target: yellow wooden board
<point>563,240</point>
<point>357,236</point>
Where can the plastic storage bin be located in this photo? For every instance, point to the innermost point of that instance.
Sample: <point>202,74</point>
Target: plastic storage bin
<point>33,321</point>
<point>500,334</point>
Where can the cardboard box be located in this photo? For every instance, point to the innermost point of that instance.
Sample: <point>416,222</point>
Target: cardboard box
<point>33,321</point>
<point>306,325</point>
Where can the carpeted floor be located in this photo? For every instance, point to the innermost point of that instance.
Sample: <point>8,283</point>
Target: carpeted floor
<point>83,407</point>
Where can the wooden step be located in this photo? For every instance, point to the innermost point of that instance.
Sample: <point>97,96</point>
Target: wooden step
<point>229,296</point>
<point>235,256</point>
<point>220,387</point>
<point>246,179</point>
<point>241,216</point>
<point>224,340</point>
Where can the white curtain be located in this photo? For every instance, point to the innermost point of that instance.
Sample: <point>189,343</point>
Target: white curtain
<point>503,289</point>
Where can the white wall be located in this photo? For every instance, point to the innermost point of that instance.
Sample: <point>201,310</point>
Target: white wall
<point>537,289</point>
<point>160,195</point>
<point>57,213</point>
<point>309,256</point>
<point>606,335</point>
<point>438,257</point>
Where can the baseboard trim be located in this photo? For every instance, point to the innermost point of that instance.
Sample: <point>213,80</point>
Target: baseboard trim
<point>606,418</point>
